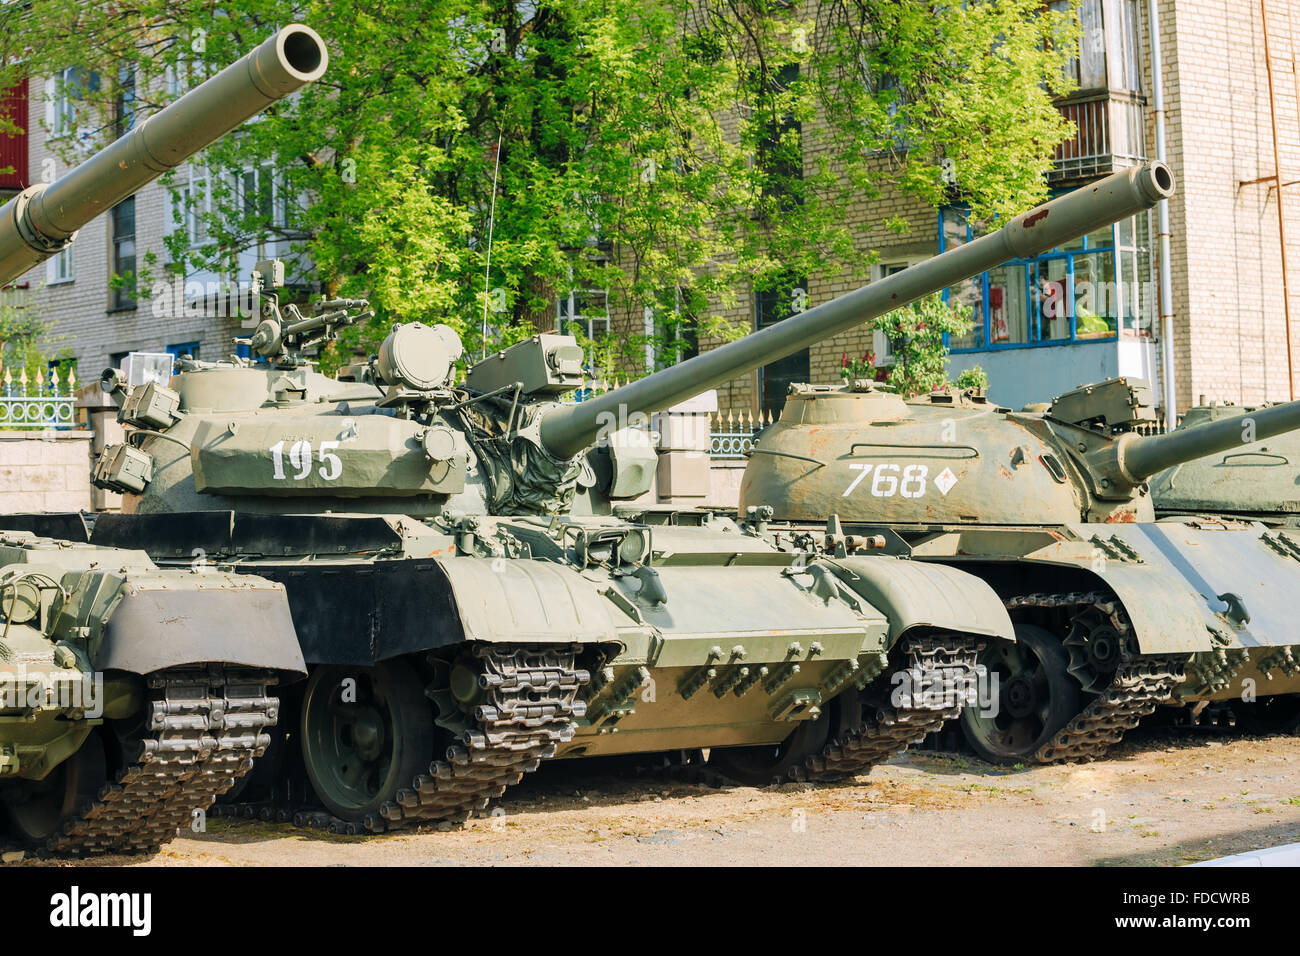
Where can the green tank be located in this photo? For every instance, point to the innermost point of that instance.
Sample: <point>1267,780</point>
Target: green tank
<point>131,696</point>
<point>1115,613</point>
<point>476,589</point>
<point>1256,481</point>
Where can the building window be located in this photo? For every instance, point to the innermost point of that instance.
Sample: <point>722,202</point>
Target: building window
<point>58,268</point>
<point>124,103</point>
<point>882,347</point>
<point>123,225</point>
<point>184,350</point>
<point>786,297</point>
<point>1087,290</point>
<point>262,199</point>
<point>63,94</point>
<point>779,153</point>
<point>585,311</point>
<point>671,335</point>
<point>188,204</point>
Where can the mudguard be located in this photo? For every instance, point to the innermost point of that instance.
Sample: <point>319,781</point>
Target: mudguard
<point>526,602</point>
<point>155,627</point>
<point>1238,579</point>
<point>914,594</point>
<point>1166,615</point>
<point>60,525</point>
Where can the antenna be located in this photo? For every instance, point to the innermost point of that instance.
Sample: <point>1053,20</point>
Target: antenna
<point>492,218</point>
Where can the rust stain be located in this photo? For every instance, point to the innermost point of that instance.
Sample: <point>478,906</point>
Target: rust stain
<point>1035,219</point>
<point>1122,517</point>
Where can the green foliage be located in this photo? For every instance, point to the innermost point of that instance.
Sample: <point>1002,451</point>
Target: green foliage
<point>916,333</point>
<point>22,332</point>
<point>647,147</point>
<point>857,369</point>
<point>974,377</point>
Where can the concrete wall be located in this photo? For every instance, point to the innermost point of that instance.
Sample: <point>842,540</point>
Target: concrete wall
<point>49,472</point>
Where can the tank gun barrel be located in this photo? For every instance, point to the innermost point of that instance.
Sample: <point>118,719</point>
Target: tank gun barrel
<point>1135,458</point>
<point>44,218</point>
<point>566,430</point>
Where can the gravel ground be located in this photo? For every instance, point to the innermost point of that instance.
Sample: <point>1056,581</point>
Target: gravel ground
<point>1159,799</point>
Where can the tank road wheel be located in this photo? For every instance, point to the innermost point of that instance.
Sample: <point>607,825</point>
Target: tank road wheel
<point>1036,697</point>
<point>760,766</point>
<point>68,792</point>
<point>366,733</point>
<point>1276,714</point>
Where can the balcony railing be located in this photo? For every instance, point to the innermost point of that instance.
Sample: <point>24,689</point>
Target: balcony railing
<point>1109,135</point>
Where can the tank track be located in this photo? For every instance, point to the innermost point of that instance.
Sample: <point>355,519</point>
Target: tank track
<point>529,699</point>
<point>946,666</point>
<point>203,731</point>
<point>1140,685</point>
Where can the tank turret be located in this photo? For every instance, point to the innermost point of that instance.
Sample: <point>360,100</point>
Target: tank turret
<point>952,458</point>
<point>1258,480</point>
<point>501,444</point>
<point>565,431</point>
<point>44,218</point>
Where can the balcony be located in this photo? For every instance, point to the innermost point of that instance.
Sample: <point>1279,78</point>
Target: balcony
<point>1109,135</point>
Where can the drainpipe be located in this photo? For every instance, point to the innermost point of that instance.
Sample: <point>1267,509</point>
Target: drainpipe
<point>1162,226</point>
<point>1281,203</point>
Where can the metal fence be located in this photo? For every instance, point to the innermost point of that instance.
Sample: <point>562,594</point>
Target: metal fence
<point>732,436</point>
<point>37,404</point>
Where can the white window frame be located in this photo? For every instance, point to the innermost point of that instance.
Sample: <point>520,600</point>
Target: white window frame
<point>60,268</point>
<point>191,215</point>
<point>564,317</point>
<point>61,109</point>
<point>880,345</point>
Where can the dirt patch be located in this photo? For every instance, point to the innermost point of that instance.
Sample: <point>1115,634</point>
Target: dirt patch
<point>1157,800</point>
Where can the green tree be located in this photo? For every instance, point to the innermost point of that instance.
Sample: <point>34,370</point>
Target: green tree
<point>920,358</point>
<point>627,131</point>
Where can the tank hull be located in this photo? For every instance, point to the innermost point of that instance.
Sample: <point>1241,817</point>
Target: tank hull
<point>1197,599</point>
<point>723,642</point>
<point>117,672</point>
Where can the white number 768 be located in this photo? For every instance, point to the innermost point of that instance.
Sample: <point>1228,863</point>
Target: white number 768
<point>888,482</point>
<point>300,457</point>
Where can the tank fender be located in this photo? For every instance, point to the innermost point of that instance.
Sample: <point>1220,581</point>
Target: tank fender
<point>516,601</point>
<point>915,594</point>
<point>1166,618</point>
<point>155,627</point>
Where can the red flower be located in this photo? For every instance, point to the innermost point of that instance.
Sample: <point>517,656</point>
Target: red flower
<point>844,360</point>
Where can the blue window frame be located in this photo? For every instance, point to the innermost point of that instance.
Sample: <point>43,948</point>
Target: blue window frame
<point>183,348</point>
<point>1078,293</point>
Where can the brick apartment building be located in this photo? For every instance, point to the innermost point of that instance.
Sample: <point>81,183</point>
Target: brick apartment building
<point>92,321</point>
<point>1233,135</point>
<point>1233,140</point>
